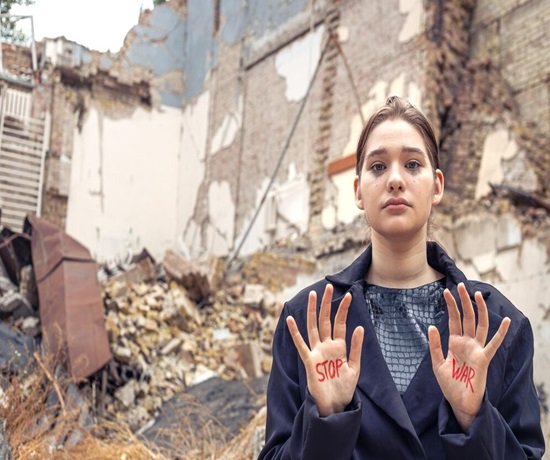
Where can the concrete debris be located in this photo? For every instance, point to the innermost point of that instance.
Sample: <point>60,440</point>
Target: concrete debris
<point>218,407</point>
<point>163,342</point>
<point>171,327</point>
<point>5,451</point>
<point>199,281</point>
<point>15,349</point>
<point>254,295</point>
<point>11,301</point>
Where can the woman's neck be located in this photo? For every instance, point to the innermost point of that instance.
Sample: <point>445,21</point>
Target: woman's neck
<point>400,264</point>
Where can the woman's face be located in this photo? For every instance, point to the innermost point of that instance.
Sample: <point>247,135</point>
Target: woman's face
<point>397,186</point>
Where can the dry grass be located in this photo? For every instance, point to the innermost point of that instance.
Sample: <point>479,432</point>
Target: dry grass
<point>40,421</point>
<point>243,446</point>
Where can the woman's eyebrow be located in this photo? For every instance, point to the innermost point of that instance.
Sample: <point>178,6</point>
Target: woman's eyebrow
<point>405,149</point>
<point>377,152</point>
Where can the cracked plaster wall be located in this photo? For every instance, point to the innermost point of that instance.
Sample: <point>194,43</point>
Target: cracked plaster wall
<point>297,61</point>
<point>492,248</point>
<point>119,176</point>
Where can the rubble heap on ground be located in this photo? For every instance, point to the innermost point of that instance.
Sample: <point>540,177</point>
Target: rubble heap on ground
<point>163,340</point>
<point>190,345</point>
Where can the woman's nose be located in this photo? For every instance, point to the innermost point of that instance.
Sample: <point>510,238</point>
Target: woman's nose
<point>395,179</point>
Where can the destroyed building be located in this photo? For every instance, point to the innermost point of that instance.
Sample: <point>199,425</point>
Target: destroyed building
<point>226,127</point>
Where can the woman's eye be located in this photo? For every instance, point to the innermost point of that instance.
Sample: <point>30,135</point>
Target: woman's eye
<point>413,164</point>
<point>376,167</point>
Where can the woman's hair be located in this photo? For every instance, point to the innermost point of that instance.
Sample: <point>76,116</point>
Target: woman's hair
<point>397,108</point>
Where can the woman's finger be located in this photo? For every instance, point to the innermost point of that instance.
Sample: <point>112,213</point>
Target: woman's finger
<point>341,318</point>
<point>297,338</point>
<point>495,343</point>
<point>455,324</point>
<point>325,330</point>
<point>469,317</point>
<point>482,319</point>
<point>436,352</point>
<point>312,331</point>
<point>354,360</point>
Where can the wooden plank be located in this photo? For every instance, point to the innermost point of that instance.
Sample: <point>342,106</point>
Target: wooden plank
<point>19,182</point>
<point>17,213</point>
<point>341,164</point>
<point>9,139</point>
<point>18,208</point>
<point>7,192</point>
<point>33,123</point>
<point>31,168</point>
<point>12,223</point>
<point>29,135</point>
<point>9,196</point>
<point>18,156</point>
<point>18,172</point>
<point>21,150</point>
<point>19,201</point>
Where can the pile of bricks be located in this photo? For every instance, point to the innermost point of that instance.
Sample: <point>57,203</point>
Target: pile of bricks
<point>174,327</point>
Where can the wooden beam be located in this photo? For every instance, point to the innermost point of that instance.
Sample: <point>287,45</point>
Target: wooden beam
<point>341,164</point>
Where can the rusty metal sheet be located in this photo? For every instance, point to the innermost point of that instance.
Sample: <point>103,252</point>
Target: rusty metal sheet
<point>71,305</point>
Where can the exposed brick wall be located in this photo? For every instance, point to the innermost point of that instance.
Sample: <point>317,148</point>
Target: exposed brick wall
<point>17,60</point>
<point>317,176</point>
<point>514,35</point>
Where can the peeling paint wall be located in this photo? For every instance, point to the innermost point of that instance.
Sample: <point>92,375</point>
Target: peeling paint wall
<point>221,211</point>
<point>122,184</point>
<point>492,248</point>
<point>503,163</point>
<point>414,24</point>
<point>191,169</point>
<point>296,63</point>
<point>227,132</point>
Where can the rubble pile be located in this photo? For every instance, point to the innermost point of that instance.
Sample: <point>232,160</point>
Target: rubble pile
<point>165,337</point>
<point>187,347</point>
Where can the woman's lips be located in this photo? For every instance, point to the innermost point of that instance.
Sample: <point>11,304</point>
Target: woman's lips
<point>396,203</point>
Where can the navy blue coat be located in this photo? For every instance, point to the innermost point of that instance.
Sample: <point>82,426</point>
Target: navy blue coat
<point>379,423</point>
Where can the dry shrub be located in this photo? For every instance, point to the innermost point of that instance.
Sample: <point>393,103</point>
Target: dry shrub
<point>40,425</point>
<point>40,422</point>
<point>197,436</point>
<point>244,446</point>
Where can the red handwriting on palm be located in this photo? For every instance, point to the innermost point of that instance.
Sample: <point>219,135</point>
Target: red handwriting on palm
<point>462,375</point>
<point>331,376</point>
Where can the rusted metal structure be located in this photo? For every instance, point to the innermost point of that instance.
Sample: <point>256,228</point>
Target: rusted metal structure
<point>71,306</point>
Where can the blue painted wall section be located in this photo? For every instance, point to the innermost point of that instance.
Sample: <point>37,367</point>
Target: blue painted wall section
<point>168,43</point>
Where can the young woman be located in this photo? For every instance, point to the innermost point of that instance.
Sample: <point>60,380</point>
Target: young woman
<point>403,358</point>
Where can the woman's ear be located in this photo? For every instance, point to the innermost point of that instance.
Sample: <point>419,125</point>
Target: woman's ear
<point>357,189</point>
<point>439,187</point>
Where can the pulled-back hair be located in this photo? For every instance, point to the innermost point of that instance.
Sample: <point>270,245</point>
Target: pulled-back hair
<point>398,108</point>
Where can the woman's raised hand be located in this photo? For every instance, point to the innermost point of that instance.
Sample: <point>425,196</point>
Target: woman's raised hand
<point>331,375</point>
<point>462,375</point>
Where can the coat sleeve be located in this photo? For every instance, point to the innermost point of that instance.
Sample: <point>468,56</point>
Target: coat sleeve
<point>510,431</point>
<point>294,429</point>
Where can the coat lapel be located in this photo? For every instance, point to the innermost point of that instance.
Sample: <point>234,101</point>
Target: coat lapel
<point>423,395</point>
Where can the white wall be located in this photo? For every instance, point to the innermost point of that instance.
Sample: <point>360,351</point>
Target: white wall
<point>124,182</point>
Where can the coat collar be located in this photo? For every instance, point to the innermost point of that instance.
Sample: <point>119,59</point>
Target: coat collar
<point>417,409</point>
<point>437,258</point>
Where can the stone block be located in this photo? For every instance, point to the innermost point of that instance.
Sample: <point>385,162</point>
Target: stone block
<point>508,232</point>
<point>475,235</point>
